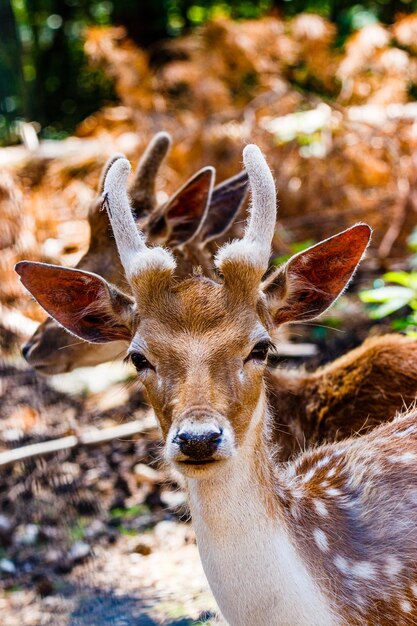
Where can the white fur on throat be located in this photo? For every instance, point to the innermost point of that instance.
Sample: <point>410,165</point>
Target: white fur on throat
<point>256,574</point>
<point>136,257</point>
<point>255,247</point>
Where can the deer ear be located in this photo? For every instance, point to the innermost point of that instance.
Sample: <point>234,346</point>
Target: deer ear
<point>226,202</point>
<point>83,303</point>
<point>184,212</point>
<point>313,279</point>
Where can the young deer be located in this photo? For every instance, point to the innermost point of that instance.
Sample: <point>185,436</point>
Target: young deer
<point>330,539</point>
<point>189,222</point>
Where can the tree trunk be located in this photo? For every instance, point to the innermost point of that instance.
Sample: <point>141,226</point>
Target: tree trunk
<point>11,80</point>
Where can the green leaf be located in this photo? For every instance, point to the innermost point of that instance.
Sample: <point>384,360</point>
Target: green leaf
<point>385,294</point>
<point>403,323</point>
<point>387,308</point>
<point>407,279</point>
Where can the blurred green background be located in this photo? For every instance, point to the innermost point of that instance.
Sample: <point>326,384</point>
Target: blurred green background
<point>45,77</point>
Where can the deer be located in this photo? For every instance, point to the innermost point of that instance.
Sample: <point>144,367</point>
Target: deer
<point>189,221</point>
<point>326,539</point>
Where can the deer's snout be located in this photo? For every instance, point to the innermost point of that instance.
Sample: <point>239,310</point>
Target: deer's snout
<point>198,446</point>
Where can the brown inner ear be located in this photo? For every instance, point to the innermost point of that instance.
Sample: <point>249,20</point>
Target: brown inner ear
<point>226,201</point>
<point>83,303</point>
<point>185,211</point>
<point>313,279</point>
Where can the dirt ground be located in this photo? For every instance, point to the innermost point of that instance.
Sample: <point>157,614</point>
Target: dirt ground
<point>121,587</point>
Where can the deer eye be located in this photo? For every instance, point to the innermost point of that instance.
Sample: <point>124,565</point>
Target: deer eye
<point>140,361</point>
<point>259,352</point>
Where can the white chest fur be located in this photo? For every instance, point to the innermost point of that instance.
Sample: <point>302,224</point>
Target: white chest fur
<point>254,571</point>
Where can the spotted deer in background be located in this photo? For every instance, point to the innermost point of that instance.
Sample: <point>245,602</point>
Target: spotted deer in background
<point>328,539</point>
<point>189,222</point>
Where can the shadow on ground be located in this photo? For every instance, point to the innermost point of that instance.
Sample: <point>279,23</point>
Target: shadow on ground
<point>98,608</point>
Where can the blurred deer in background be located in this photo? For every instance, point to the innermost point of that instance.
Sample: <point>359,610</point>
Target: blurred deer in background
<point>190,221</point>
<point>349,396</point>
<point>329,539</point>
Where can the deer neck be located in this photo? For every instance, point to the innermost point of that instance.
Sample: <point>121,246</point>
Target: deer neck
<point>253,567</point>
<point>289,394</point>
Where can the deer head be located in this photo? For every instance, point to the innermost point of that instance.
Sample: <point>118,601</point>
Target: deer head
<point>189,221</point>
<point>199,344</point>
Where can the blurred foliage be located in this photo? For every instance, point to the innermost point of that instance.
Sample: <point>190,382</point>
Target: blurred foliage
<point>294,248</point>
<point>385,300</point>
<point>388,299</point>
<point>55,85</point>
<point>399,296</point>
<point>44,75</point>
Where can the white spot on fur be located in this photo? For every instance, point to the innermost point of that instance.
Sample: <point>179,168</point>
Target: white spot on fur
<point>407,457</point>
<point>321,508</point>
<point>331,472</point>
<point>309,475</point>
<point>403,433</point>
<point>290,471</point>
<point>325,460</point>
<point>406,606</point>
<point>333,491</point>
<point>294,510</point>
<point>392,567</point>
<point>281,493</point>
<point>321,539</point>
<point>363,569</point>
<point>298,493</point>
<point>341,564</point>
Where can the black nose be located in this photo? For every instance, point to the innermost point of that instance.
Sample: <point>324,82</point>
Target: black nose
<point>199,446</point>
<point>25,349</point>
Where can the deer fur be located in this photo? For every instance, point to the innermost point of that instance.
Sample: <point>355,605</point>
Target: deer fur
<point>351,395</point>
<point>327,539</point>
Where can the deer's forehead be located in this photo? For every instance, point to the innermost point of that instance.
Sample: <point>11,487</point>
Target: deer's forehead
<point>198,312</point>
<point>194,304</point>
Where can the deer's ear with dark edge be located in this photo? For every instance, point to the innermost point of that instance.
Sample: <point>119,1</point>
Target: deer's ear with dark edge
<point>183,214</point>
<point>226,202</point>
<point>83,303</point>
<point>312,280</point>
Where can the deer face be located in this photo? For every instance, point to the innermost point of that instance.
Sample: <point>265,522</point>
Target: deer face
<point>52,350</point>
<point>199,345</point>
<point>201,360</point>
